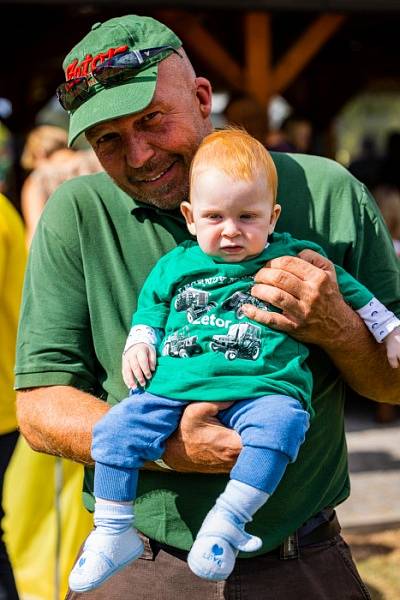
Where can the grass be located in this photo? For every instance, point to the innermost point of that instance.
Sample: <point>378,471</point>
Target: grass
<point>377,555</point>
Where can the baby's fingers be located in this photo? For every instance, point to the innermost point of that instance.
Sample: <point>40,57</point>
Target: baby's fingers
<point>152,358</point>
<point>144,364</point>
<point>127,375</point>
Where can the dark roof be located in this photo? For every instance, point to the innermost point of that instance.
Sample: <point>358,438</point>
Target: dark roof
<point>345,6</point>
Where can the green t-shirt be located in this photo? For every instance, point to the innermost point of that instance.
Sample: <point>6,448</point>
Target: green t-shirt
<point>210,350</point>
<point>94,248</point>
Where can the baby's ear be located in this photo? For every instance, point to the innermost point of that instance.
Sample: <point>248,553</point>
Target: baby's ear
<point>186,210</point>
<point>276,211</point>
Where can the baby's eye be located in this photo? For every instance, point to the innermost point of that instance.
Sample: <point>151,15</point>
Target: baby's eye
<point>213,216</point>
<point>246,216</point>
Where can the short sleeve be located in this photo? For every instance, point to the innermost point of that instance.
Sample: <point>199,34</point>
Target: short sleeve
<point>54,344</point>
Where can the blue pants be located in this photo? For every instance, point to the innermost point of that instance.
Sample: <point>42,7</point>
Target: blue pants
<point>272,428</point>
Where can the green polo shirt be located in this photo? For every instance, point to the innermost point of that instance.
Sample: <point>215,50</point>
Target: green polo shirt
<point>92,252</point>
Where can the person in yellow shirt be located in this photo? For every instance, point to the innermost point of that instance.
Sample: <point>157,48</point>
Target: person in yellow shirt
<point>12,266</point>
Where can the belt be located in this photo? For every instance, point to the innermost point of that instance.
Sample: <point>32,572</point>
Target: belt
<point>320,528</point>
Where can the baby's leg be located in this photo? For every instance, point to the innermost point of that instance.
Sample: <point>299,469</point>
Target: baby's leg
<point>131,433</point>
<point>272,429</point>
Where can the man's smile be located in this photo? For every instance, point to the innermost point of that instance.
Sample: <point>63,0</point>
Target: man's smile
<point>153,178</point>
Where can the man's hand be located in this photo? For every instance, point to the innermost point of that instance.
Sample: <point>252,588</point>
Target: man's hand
<point>305,288</point>
<point>138,364</point>
<point>201,443</point>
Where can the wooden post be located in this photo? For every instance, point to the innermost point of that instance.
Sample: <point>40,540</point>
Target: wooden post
<point>302,51</point>
<point>258,56</point>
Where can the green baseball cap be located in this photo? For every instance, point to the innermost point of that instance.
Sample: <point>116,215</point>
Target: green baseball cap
<point>105,41</point>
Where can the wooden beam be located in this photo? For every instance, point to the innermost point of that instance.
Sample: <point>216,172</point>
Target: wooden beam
<point>302,51</point>
<point>204,45</point>
<point>258,56</point>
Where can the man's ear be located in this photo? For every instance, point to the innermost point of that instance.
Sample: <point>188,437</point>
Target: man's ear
<point>276,211</point>
<point>186,210</point>
<point>204,95</point>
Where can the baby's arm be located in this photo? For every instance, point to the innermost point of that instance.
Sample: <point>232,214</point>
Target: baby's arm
<point>139,356</point>
<point>380,321</point>
<point>385,327</point>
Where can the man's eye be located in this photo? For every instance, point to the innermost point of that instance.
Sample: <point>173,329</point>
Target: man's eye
<point>107,137</point>
<point>151,117</point>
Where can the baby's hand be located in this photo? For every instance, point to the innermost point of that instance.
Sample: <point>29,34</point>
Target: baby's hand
<point>392,343</point>
<point>138,363</point>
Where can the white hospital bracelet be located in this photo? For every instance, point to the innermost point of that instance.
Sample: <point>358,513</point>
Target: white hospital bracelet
<point>141,334</point>
<point>162,464</point>
<point>379,320</point>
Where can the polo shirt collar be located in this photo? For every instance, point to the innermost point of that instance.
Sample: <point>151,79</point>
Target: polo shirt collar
<point>143,207</point>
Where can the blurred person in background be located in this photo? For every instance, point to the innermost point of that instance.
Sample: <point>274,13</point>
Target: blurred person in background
<point>295,135</point>
<point>47,156</point>
<point>390,168</point>
<point>12,265</point>
<point>245,111</point>
<point>388,199</point>
<point>366,166</point>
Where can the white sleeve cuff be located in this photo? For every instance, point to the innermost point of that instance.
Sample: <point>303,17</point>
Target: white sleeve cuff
<point>141,334</point>
<point>379,320</point>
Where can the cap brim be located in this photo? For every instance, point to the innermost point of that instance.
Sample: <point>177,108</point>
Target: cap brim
<point>114,102</point>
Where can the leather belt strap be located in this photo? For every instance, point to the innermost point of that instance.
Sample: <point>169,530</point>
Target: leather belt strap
<point>327,529</point>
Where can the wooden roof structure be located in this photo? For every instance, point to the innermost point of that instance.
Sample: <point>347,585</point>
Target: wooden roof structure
<point>317,53</point>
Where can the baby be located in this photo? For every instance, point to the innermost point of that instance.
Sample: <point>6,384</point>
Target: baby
<point>191,341</point>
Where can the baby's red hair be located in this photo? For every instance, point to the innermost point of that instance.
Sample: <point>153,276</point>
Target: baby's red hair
<point>238,155</point>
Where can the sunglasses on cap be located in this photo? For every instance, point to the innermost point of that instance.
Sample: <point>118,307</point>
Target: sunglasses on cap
<point>118,69</point>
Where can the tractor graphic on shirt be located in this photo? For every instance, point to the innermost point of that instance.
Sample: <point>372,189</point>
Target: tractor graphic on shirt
<point>195,302</point>
<point>243,340</point>
<point>180,345</point>
<point>236,301</point>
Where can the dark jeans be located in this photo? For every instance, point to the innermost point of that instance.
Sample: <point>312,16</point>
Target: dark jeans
<point>323,571</point>
<point>8,591</point>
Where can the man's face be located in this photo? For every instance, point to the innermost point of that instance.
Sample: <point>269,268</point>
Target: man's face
<point>148,154</point>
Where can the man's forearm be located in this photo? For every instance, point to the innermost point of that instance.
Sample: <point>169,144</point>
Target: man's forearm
<point>59,420</point>
<point>314,312</point>
<point>363,362</point>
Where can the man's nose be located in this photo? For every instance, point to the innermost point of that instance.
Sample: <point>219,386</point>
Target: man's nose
<point>138,151</point>
<point>231,228</point>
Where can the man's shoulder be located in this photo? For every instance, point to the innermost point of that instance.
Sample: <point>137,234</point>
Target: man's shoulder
<point>315,171</point>
<point>81,185</point>
<point>309,162</point>
<point>84,197</point>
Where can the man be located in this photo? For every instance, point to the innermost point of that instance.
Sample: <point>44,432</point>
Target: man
<point>94,246</point>
<point>12,266</point>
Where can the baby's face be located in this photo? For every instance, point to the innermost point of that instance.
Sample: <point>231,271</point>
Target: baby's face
<point>231,218</point>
